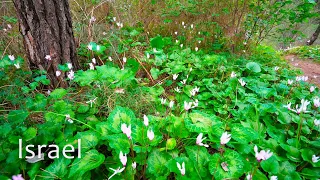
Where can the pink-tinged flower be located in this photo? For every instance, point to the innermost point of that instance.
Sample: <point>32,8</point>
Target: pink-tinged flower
<point>89,47</point>
<point>242,82</point>
<point>175,76</point>
<point>92,19</point>
<point>225,138</point>
<point>134,165</point>
<point>116,171</point>
<point>187,105</point>
<point>249,177</point>
<point>199,140</point>
<point>145,120</point>
<point>91,66</point>
<point>312,88</point>
<point>290,81</point>
<point>316,122</point>
<point>17,177</point>
<point>315,158</point>
<point>48,57</point>
<point>123,158</point>
<point>233,74</point>
<point>316,102</point>
<point>126,130</point>
<point>71,75</point>
<point>94,61</point>
<point>274,178</point>
<point>171,104</point>
<point>181,168</point>
<point>17,65</point>
<point>150,135</point>
<point>11,57</point>
<point>262,155</point>
<point>302,108</point>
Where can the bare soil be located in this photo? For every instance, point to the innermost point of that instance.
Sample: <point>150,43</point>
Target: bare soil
<point>310,68</point>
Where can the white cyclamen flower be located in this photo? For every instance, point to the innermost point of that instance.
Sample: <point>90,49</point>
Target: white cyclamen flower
<point>71,75</point>
<point>94,61</point>
<point>134,165</point>
<point>69,65</point>
<point>199,140</point>
<point>116,171</point>
<point>124,59</point>
<point>11,57</point>
<point>225,138</point>
<point>68,118</point>
<point>123,158</point>
<point>150,135</point>
<point>182,23</point>
<point>92,19</point>
<point>91,66</point>
<point>316,102</point>
<point>312,88</point>
<point>58,73</point>
<point>17,65</point>
<point>316,122</point>
<point>290,81</point>
<point>182,168</point>
<point>195,103</point>
<point>288,106</point>
<point>181,45</point>
<point>177,89</point>
<point>126,130</point>
<point>176,33</point>
<point>233,74</point>
<point>262,155</point>
<point>171,104</point>
<point>315,158</point>
<point>302,108</point>
<point>242,82</point>
<point>276,68</point>
<point>92,101</point>
<point>196,49</point>
<point>145,120</point>
<point>110,58</point>
<point>114,19</point>
<point>184,81</point>
<point>163,101</point>
<point>191,26</point>
<point>175,76</point>
<point>98,48</point>
<point>187,105</point>
<point>89,47</point>
<point>274,178</point>
<point>148,55</point>
<point>48,57</point>
<point>249,177</point>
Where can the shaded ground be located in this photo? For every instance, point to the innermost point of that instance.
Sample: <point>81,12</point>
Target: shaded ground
<point>310,68</point>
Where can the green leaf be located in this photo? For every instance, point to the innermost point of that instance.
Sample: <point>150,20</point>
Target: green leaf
<point>254,67</point>
<point>58,169</point>
<point>270,165</point>
<point>200,157</point>
<point>233,163</point>
<point>29,134</point>
<point>58,93</point>
<point>243,135</point>
<point>201,123</point>
<point>157,42</point>
<point>156,163</point>
<point>82,165</point>
<point>118,116</point>
<point>17,116</point>
<point>89,139</point>
<point>155,73</point>
<point>102,128</point>
<point>171,144</point>
<point>119,142</point>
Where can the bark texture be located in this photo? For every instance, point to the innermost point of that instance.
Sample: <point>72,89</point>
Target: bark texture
<point>314,36</point>
<point>46,27</point>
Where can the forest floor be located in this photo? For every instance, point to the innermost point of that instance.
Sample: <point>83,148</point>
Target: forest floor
<point>309,67</point>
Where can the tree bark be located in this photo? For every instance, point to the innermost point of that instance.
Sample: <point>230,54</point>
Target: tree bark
<point>314,36</point>
<point>46,27</point>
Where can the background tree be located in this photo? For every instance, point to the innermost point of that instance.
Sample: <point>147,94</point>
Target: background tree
<point>46,27</point>
<point>315,35</point>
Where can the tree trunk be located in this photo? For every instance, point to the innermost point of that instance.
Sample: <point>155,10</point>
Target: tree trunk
<point>46,27</point>
<point>314,36</point>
